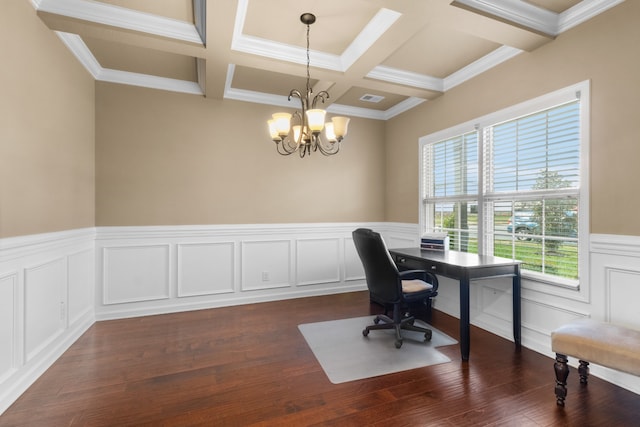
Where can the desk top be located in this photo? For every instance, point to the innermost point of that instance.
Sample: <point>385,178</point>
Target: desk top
<point>460,259</point>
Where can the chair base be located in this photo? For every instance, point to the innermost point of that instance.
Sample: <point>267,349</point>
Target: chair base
<point>421,310</point>
<point>405,323</point>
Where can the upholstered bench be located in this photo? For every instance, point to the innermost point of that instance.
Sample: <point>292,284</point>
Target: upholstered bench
<point>601,343</point>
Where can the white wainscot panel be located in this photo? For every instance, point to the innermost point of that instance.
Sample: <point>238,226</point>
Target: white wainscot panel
<point>621,287</point>
<point>81,283</point>
<point>8,295</point>
<point>353,268</point>
<point>45,288</point>
<point>266,264</point>
<point>205,268</point>
<point>135,273</point>
<point>448,299</point>
<point>497,301</point>
<point>318,261</point>
<point>491,306</point>
<point>543,318</point>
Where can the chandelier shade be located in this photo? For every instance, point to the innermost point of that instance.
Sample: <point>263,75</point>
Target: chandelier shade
<point>301,131</point>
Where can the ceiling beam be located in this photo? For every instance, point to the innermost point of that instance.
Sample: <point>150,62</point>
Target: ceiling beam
<point>521,14</point>
<point>218,40</point>
<point>118,35</point>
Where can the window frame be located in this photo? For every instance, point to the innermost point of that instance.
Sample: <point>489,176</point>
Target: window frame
<point>581,91</point>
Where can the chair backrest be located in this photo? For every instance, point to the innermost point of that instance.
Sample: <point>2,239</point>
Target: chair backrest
<point>381,273</point>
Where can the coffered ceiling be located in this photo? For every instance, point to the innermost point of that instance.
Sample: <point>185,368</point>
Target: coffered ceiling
<point>398,53</point>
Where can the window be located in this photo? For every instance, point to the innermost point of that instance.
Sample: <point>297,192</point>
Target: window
<point>513,184</point>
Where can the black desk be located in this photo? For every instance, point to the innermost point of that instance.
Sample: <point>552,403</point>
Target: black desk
<point>464,267</point>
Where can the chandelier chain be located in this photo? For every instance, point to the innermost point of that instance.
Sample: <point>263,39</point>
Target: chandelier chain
<point>308,61</point>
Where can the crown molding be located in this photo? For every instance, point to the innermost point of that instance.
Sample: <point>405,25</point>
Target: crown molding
<point>120,17</point>
<point>75,44</point>
<point>403,106</point>
<point>379,24</point>
<point>521,13</point>
<point>498,56</point>
<point>347,110</point>
<point>582,12</point>
<point>283,101</point>
<point>424,81</point>
<point>258,97</point>
<point>251,96</point>
<point>407,78</point>
<point>275,50</point>
<point>82,53</point>
<point>540,20</point>
<point>148,81</point>
<point>284,52</point>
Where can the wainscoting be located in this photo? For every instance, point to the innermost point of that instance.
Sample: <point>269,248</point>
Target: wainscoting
<point>46,303</point>
<point>152,270</point>
<point>56,285</point>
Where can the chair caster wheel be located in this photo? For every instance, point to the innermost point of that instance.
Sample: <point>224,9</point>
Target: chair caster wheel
<point>365,332</point>
<point>398,343</point>
<point>428,335</point>
<point>376,320</point>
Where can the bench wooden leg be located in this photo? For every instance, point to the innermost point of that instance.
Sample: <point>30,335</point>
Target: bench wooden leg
<point>583,370</point>
<point>562,372</point>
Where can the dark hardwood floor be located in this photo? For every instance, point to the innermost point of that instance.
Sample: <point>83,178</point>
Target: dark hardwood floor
<point>249,365</point>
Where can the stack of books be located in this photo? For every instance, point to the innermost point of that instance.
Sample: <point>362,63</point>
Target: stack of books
<point>435,242</point>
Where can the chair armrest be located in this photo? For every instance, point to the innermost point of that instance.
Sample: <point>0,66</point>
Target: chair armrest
<point>412,274</point>
<point>421,275</point>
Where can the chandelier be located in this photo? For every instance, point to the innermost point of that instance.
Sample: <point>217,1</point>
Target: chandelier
<point>302,131</point>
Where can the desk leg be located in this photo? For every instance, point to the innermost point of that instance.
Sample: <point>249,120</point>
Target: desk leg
<point>464,319</point>
<point>517,312</point>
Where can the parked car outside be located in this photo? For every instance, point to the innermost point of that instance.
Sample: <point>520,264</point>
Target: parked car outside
<point>525,225</point>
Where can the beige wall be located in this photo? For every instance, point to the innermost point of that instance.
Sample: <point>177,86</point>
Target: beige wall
<point>604,50</point>
<point>167,158</point>
<point>46,129</point>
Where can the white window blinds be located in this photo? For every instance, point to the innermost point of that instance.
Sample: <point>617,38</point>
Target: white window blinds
<point>454,167</point>
<point>537,152</point>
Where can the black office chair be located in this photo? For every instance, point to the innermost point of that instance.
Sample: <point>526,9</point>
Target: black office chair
<point>388,286</point>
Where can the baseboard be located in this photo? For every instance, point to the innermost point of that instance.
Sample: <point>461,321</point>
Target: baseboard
<point>26,375</point>
<point>177,307</point>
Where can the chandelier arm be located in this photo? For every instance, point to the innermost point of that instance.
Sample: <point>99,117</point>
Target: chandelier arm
<point>322,96</point>
<point>288,146</point>
<point>296,93</point>
<point>328,150</point>
<point>282,150</point>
